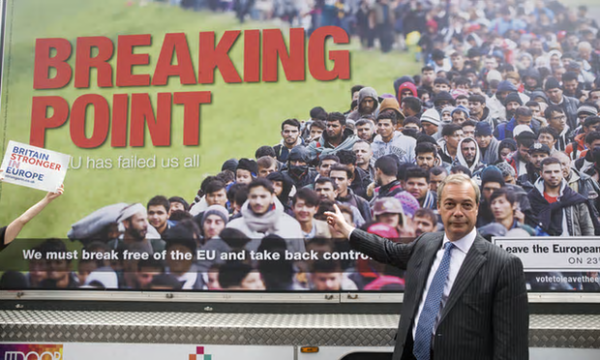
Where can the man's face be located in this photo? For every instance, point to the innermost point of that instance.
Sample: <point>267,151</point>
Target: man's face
<point>424,225</point>
<point>325,167</point>
<point>591,128</point>
<point>367,105</point>
<point>218,197</point>
<point>536,158</point>
<point>264,172</point>
<point>469,131</point>
<point>253,281</point>
<point>488,189</point>
<point>454,139</point>
<point>469,151</point>
<point>327,281</point>
<point>552,175</point>
<point>426,160</point>
<point>570,86</point>
<point>278,187</point>
<point>524,152</point>
<point>504,153</point>
<point>315,132</point>
<point>341,180</point>
<point>501,95</point>
<point>412,126</point>
<point>260,199</point>
<point>595,95</point>
<point>303,212</point>
<point>440,87</point>
<point>429,128</point>
<point>435,181</point>
<point>417,187</point>
<point>491,63</point>
<point>530,81</point>
<point>511,107</point>
<point>458,209</point>
<point>536,110</point>
<point>175,205</point>
<point>144,276</point>
<point>406,93</point>
<point>554,61</point>
<point>558,121</point>
<point>290,134</point>
<point>137,226</point>
<point>457,61</point>
<point>334,129</point>
<point>212,226</point>
<point>501,208</point>
<point>427,77</point>
<point>58,269</point>
<point>365,132</point>
<point>385,128</point>
<point>555,95</point>
<point>363,153</point>
<point>565,164</point>
<point>157,216</point>
<point>243,176</point>
<point>547,139</point>
<point>524,120</point>
<point>476,108</point>
<point>459,117</point>
<point>326,191</point>
<point>463,102</point>
<point>483,141</point>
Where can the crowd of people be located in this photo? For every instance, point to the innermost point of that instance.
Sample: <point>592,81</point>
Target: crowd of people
<point>509,95</point>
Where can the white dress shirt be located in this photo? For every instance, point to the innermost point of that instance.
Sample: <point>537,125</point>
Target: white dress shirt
<point>457,256</point>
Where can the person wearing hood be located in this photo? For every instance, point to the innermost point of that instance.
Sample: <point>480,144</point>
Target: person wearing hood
<point>519,159</point>
<point>368,103</point>
<point>405,89</point>
<point>297,167</point>
<point>560,210</point>
<point>582,184</point>
<point>488,144</point>
<point>522,116</point>
<point>392,104</point>
<point>337,137</point>
<point>556,97</point>
<point>388,141</point>
<point>446,114</point>
<point>283,186</point>
<point>469,155</point>
<point>290,134</point>
<point>443,99</point>
<point>531,81</point>
<point>496,102</point>
<point>590,162</point>
<point>263,214</point>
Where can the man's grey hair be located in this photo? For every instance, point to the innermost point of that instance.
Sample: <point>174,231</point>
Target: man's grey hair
<point>458,179</point>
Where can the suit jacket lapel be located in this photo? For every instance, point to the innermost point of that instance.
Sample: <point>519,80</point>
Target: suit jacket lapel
<point>424,266</point>
<point>473,261</point>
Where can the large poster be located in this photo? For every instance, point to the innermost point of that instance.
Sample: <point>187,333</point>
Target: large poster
<point>207,138</point>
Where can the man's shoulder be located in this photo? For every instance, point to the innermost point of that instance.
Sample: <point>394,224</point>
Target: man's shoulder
<point>494,251</point>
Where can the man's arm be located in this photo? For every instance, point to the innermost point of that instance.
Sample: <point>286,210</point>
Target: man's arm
<point>377,247</point>
<point>15,227</point>
<point>510,314</point>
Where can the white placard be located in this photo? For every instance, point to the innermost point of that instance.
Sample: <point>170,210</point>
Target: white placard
<point>34,167</point>
<point>554,253</point>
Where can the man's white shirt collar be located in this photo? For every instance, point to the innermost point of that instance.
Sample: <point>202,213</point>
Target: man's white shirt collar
<point>463,244</point>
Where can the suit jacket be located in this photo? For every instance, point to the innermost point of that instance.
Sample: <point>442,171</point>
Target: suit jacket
<point>486,315</point>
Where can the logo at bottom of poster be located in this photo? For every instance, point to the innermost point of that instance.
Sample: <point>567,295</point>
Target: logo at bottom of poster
<point>31,352</point>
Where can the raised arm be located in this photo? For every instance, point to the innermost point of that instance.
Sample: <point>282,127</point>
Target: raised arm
<point>15,227</point>
<point>377,247</point>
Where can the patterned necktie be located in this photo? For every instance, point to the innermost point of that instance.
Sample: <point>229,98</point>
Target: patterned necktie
<point>431,309</point>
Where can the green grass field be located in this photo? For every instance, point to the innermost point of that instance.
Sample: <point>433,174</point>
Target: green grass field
<point>241,118</point>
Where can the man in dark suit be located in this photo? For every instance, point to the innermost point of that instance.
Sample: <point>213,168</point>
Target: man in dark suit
<point>465,298</point>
